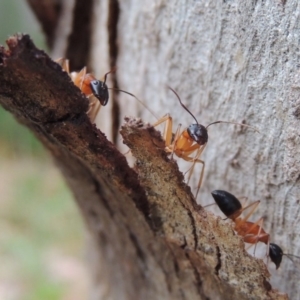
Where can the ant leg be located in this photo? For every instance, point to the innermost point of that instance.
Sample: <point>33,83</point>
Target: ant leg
<point>189,150</point>
<point>260,236</point>
<point>196,158</point>
<point>194,161</point>
<point>60,60</point>
<point>79,78</point>
<point>167,136</point>
<point>248,247</point>
<point>66,66</point>
<point>211,204</point>
<point>127,152</point>
<point>243,198</point>
<point>173,145</point>
<point>267,254</point>
<point>201,176</point>
<point>64,63</point>
<point>261,221</point>
<point>255,205</point>
<point>94,108</point>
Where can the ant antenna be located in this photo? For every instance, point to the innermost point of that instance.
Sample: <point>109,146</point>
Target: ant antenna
<point>115,89</point>
<point>243,125</point>
<point>111,71</point>
<point>290,257</point>
<point>140,101</point>
<point>240,124</point>
<point>183,104</point>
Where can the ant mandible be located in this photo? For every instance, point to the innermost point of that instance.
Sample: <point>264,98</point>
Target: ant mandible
<point>192,139</point>
<point>252,233</point>
<point>93,88</point>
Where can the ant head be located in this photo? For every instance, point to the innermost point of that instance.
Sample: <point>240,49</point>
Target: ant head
<point>198,133</point>
<point>275,253</point>
<point>100,91</point>
<point>228,203</point>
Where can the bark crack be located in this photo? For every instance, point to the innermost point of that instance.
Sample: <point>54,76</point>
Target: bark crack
<point>197,275</point>
<point>219,264</point>
<point>194,229</point>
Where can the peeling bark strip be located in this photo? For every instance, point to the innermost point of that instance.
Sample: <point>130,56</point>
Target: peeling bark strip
<point>185,253</point>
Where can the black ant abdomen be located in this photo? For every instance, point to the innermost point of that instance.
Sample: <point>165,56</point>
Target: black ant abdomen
<point>227,202</point>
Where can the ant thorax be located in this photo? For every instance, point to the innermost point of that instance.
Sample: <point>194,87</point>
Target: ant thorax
<point>100,91</point>
<point>198,133</point>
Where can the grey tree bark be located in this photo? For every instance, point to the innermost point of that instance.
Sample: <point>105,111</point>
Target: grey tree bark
<point>228,60</point>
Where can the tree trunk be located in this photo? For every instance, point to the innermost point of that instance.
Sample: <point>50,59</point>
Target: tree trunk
<point>228,61</point>
<point>234,61</point>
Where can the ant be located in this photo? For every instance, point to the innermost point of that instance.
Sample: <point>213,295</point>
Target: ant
<point>276,254</point>
<point>252,233</point>
<point>191,140</point>
<point>93,88</point>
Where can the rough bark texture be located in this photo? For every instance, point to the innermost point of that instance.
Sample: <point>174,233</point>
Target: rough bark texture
<point>159,246</point>
<point>229,60</point>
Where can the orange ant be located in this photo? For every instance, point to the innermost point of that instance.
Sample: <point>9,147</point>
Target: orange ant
<point>93,88</point>
<point>232,209</point>
<point>252,233</point>
<point>192,139</point>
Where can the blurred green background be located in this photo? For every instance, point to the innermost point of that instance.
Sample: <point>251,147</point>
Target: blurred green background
<point>41,238</point>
